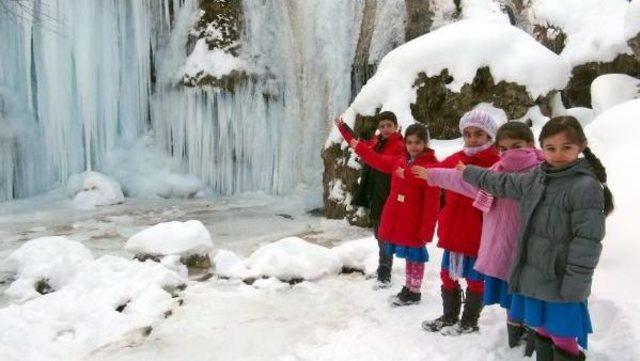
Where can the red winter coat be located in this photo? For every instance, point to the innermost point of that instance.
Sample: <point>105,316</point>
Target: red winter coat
<point>460,223</point>
<point>411,211</point>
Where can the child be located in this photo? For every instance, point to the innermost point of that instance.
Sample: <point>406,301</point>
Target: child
<point>459,227</point>
<point>409,216</point>
<point>501,221</point>
<point>563,205</point>
<point>374,185</point>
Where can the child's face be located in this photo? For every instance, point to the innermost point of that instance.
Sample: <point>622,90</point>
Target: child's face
<point>475,137</point>
<point>386,128</point>
<point>506,144</point>
<point>560,151</point>
<point>415,145</point>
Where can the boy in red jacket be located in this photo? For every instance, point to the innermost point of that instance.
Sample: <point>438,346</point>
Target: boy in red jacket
<point>374,185</point>
<point>459,231</point>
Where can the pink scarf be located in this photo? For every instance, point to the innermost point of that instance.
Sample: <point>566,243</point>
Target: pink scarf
<point>513,160</point>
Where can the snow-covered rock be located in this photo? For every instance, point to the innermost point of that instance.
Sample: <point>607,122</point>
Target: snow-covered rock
<point>47,262</point>
<point>216,63</point>
<point>610,90</point>
<point>632,20</point>
<point>91,189</point>
<point>185,239</point>
<point>293,259</point>
<point>584,115</point>
<point>462,48</point>
<point>229,265</point>
<point>91,303</point>
<point>361,254</point>
<point>109,300</point>
<point>594,29</point>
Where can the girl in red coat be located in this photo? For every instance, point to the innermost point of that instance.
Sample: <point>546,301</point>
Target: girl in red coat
<point>410,213</point>
<point>375,185</point>
<point>459,231</point>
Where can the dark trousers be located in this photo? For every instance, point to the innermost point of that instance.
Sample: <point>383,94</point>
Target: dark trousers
<point>385,261</point>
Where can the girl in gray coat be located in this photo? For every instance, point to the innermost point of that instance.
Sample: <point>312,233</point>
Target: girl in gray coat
<point>563,205</point>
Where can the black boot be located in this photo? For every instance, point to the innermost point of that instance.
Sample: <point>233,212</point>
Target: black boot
<point>469,321</point>
<point>516,332</point>
<point>530,345</point>
<point>385,262</point>
<point>406,297</point>
<point>544,348</point>
<point>562,355</point>
<point>451,304</point>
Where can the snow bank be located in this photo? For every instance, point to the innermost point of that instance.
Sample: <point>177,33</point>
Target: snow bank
<point>594,28</point>
<point>93,189</point>
<point>144,170</point>
<point>613,137</point>
<point>293,258</point>
<point>296,259</point>
<point>610,90</point>
<point>361,254</point>
<point>229,265</point>
<point>584,115</point>
<point>203,61</point>
<point>632,20</point>
<point>462,47</point>
<point>98,302</point>
<point>172,238</point>
<point>54,259</point>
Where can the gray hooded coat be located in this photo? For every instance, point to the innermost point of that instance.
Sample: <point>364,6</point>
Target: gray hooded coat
<point>563,220</point>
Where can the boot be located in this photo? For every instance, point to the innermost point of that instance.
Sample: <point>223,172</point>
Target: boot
<point>516,332</point>
<point>451,304</point>
<point>385,262</point>
<point>544,348</point>
<point>562,355</point>
<point>469,321</point>
<point>405,297</point>
<point>530,345</point>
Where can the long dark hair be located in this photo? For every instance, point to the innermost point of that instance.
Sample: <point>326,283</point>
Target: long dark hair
<point>573,130</point>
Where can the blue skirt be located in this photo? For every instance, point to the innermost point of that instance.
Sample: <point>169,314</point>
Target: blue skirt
<point>496,291</point>
<point>557,318</point>
<point>411,254</point>
<point>468,263</point>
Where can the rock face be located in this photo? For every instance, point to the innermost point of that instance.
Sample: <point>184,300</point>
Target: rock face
<point>634,43</point>
<point>341,179</point>
<point>550,36</point>
<point>578,93</point>
<point>419,18</point>
<point>219,26</point>
<point>440,108</point>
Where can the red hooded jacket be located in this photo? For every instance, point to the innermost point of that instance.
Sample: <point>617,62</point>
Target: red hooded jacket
<point>411,211</point>
<point>460,223</point>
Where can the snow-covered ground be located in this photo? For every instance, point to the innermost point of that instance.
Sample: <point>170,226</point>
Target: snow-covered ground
<point>334,316</point>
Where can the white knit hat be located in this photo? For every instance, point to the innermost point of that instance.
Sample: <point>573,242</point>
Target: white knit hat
<point>479,119</point>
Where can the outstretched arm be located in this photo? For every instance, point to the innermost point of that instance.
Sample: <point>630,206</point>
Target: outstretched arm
<point>449,179</point>
<point>499,184</point>
<point>345,130</point>
<point>383,163</point>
